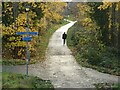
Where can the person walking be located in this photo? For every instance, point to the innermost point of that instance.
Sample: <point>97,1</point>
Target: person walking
<point>64,36</point>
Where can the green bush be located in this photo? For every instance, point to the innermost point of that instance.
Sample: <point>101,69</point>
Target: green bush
<point>107,86</point>
<point>91,52</point>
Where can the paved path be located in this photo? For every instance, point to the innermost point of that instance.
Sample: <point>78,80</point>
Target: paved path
<point>61,67</point>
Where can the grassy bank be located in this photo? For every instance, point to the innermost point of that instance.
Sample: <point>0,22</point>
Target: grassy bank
<point>107,86</point>
<point>42,43</point>
<point>18,81</point>
<point>106,61</point>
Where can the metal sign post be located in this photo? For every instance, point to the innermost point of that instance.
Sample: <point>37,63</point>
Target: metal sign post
<point>27,39</point>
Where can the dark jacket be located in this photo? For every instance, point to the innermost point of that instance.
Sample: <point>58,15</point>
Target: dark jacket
<point>64,36</point>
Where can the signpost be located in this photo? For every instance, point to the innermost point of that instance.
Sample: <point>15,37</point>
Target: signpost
<point>27,39</point>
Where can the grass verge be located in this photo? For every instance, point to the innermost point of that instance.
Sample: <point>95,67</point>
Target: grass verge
<point>107,86</point>
<point>15,62</point>
<point>19,81</point>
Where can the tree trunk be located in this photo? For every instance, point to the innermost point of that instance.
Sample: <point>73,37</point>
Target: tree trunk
<point>113,27</point>
<point>119,26</point>
<point>15,10</point>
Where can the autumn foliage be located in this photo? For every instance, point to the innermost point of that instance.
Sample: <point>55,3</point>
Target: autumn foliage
<point>41,17</point>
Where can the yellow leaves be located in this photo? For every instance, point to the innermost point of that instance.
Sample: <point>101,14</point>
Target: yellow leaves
<point>86,21</point>
<point>32,29</point>
<point>7,30</point>
<point>21,29</point>
<point>9,9</point>
<point>33,4</point>
<point>53,11</point>
<point>31,15</point>
<point>105,5</point>
<point>4,30</point>
<point>89,24</point>
<point>47,13</point>
<point>18,43</point>
<point>21,20</point>
<point>118,6</point>
<point>20,52</point>
<point>110,22</point>
<point>43,23</point>
<point>21,43</point>
<point>43,6</point>
<point>83,8</point>
<point>31,47</point>
<point>57,17</point>
<point>84,18</point>
<point>12,38</point>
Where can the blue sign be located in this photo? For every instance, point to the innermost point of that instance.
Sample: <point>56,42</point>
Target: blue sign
<point>30,33</point>
<point>26,38</point>
<point>33,33</point>
<point>21,33</point>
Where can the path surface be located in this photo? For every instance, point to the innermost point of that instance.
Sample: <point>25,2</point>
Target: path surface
<point>61,67</point>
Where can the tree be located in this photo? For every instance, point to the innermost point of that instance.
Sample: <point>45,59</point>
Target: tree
<point>41,17</point>
<point>119,26</point>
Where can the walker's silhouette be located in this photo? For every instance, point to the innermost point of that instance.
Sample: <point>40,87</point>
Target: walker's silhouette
<point>64,36</point>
